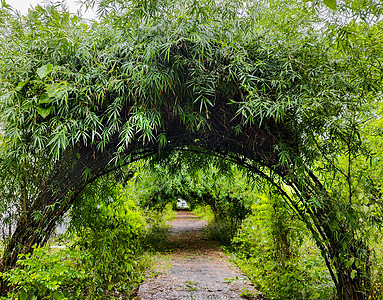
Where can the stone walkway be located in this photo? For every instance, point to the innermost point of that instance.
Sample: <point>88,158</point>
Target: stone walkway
<point>195,268</point>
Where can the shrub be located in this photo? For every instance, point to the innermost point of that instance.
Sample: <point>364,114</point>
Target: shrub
<point>112,242</point>
<point>48,274</point>
<point>205,212</point>
<point>222,230</point>
<point>157,227</point>
<point>271,248</point>
<point>104,261</point>
<point>377,267</point>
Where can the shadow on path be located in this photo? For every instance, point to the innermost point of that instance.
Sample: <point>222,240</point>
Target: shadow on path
<point>195,269</point>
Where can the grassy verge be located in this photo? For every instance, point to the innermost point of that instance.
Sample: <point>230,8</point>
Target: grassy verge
<point>97,264</point>
<point>157,228</point>
<point>218,229</point>
<point>204,212</point>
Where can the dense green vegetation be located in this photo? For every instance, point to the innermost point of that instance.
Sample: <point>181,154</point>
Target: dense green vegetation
<point>288,92</point>
<point>104,253</point>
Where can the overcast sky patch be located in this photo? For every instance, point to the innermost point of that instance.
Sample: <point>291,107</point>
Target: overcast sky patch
<point>73,5</point>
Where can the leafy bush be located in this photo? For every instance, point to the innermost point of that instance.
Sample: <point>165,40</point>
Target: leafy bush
<point>222,230</point>
<point>157,226</point>
<point>205,212</point>
<point>104,261</point>
<point>272,249</point>
<point>113,245</point>
<point>377,267</point>
<point>48,274</point>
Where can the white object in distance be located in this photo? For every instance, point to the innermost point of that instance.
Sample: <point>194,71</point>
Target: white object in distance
<point>182,204</point>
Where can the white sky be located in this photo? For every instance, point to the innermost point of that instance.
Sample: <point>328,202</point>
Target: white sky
<point>24,5</point>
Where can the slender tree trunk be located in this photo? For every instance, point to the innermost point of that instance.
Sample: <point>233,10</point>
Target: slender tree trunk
<point>351,282</point>
<point>350,285</point>
<point>351,289</point>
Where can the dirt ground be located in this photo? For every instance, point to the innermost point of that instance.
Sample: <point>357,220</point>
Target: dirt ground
<point>195,268</point>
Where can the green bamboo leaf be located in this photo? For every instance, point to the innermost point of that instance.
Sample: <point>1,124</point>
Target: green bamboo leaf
<point>21,85</point>
<point>350,262</point>
<point>53,89</point>
<point>330,3</point>
<point>5,5</point>
<point>43,71</point>
<point>344,246</point>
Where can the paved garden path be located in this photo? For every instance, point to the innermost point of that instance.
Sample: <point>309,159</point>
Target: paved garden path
<point>195,268</point>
